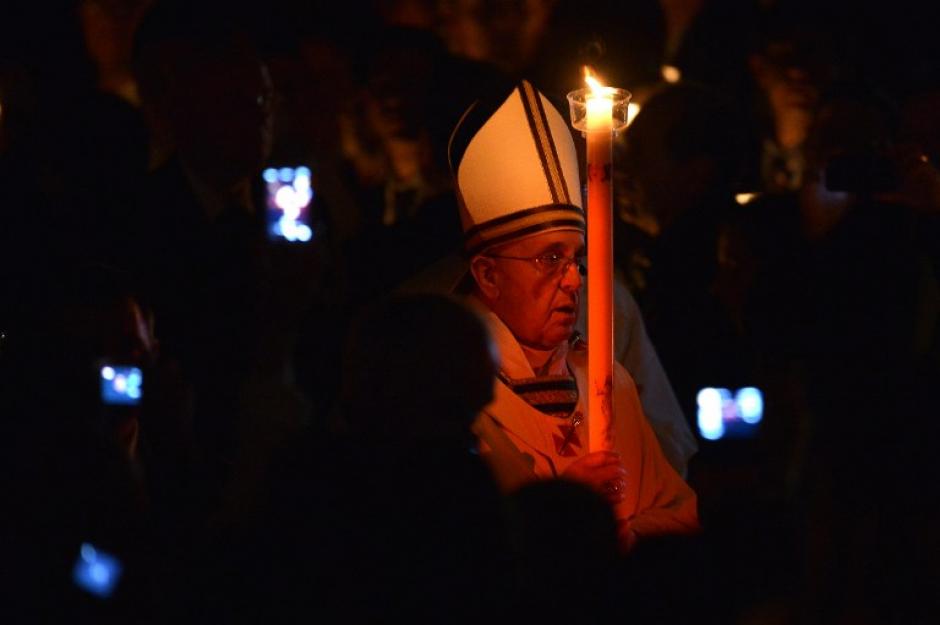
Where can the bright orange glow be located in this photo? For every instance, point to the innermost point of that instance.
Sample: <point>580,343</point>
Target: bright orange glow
<point>599,104</point>
<point>600,285</point>
<point>671,73</point>
<point>633,109</point>
<point>597,87</point>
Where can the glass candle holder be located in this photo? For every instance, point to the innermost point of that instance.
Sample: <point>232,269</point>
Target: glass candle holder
<point>619,104</point>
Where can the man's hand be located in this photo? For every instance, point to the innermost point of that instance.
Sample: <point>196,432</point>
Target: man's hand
<point>603,472</point>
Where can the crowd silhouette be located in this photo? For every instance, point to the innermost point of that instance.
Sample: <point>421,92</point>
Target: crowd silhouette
<point>302,448</point>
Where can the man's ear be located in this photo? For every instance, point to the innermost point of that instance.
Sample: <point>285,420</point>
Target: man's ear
<point>484,272</point>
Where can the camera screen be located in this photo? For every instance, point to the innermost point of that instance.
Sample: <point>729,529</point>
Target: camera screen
<point>121,385</point>
<point>96,572</point>
<point>723,413</point>
<point>288,196</point>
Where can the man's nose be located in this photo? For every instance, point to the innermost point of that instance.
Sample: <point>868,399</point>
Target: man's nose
<point>571,279</point>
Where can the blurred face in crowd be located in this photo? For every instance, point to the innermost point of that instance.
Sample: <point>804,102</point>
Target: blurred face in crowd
<point>848,126</point>
<point>534,286</point>
<point>396,93</point>
<point>788,78</point>
<point>130,338</point>
<point>222,114</point>
<point>650,175</point>
<point>791,79</point>
<point>118,330</point>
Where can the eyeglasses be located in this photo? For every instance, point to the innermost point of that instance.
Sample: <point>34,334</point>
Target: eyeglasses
<point>551,264</point>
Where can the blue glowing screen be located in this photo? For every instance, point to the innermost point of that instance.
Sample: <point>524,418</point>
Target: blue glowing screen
<point>96,572</point>
<point>722,413</point>
<point>288,195</point>
<point>121,385</point>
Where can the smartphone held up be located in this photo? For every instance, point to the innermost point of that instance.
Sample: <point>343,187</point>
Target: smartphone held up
<point>121,385</point>
<point>726,413</point>
<point>288,199</point>
<point>96,572</point>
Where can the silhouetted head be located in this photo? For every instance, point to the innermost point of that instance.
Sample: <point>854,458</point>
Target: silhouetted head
<point>683,152</point>
<point>853,120</point>
<point>205,90</point>
<point>398,71</point>
<point>792,63</point>
<point>559,525</point>
<point>417,367</point>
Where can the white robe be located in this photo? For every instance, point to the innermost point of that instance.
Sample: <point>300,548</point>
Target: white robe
<point>632,349</point>
<point>520,444</point>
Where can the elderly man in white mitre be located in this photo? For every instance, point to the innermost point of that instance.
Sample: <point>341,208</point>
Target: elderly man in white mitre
<point>517,179</point>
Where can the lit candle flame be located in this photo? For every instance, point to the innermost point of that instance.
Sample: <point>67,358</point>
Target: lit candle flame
<point>597,88</point>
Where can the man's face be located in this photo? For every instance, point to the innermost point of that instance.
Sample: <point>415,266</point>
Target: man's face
<point>223,115</point>
<point>537,303</point>
<point>788,78</point>
<point>130,338</point>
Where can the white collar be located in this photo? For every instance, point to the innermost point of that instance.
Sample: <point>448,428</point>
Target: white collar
<point>512,356</point>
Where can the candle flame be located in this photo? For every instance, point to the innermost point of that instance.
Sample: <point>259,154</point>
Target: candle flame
<point>746,198</point>
<point>597,88</point>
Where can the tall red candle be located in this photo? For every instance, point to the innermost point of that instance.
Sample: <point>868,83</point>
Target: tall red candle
<point>598,112</point>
